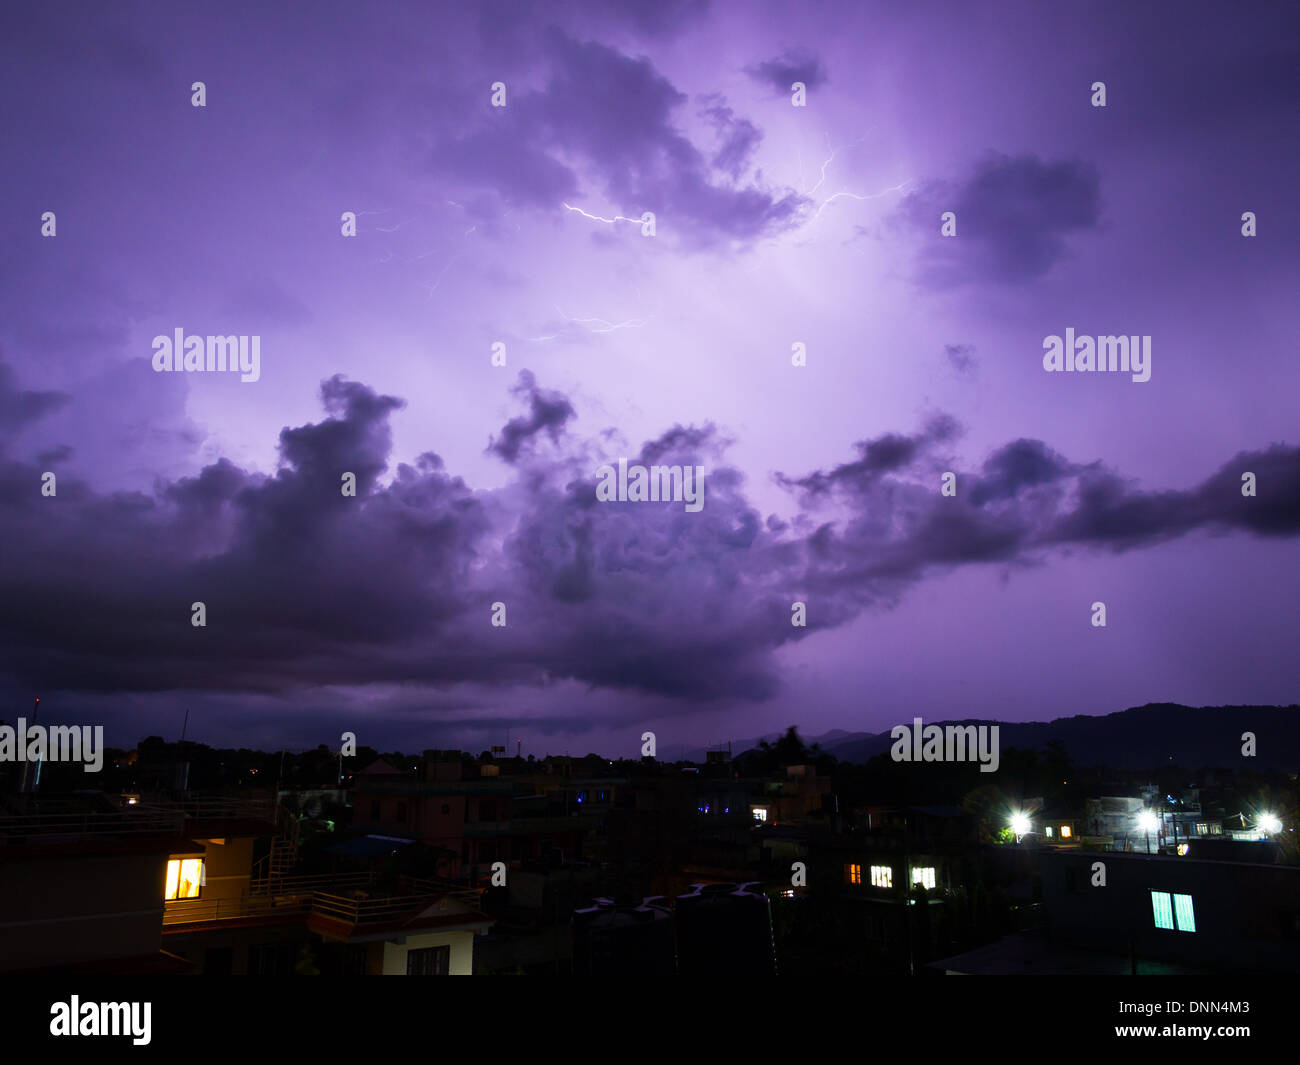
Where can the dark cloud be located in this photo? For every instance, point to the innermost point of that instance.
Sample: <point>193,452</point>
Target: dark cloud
<point>607,119</point>
<point>19,408</point>
<point>794,64</point>
<point>1013,218</point>
<point>962,358</point>
<point>884,454</point>
<point>738,137</point>
<point>548,412</point>
<point>305,587</point>
<point>1016,466</point>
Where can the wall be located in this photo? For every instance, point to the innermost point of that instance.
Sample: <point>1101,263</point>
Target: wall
<point>58,910</point>
<point>462,952</point>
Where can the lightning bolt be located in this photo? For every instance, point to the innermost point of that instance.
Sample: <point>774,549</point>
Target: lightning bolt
<point>608,326</point>
<point>844,193</point>
<point>597,218</point>
<point>831,158</point>
<point>432,288</point>
<point>854,196</point>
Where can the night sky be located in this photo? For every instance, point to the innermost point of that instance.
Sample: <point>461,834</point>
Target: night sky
<point>775,225</point>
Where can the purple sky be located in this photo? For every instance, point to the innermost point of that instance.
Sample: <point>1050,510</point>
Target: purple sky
<point>775,224</point>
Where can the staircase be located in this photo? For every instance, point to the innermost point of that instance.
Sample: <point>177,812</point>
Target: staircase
<point>270,871</point>
<point>283,857</point>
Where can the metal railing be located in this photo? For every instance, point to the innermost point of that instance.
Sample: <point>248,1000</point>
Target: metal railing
<point>321,896</point>
<point>43,827</point>
<point>53,820</point>
<point>215,808</point>
<point>305,885</point>
<point>193,911</point>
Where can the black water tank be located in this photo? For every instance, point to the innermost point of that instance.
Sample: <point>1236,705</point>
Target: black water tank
<point>623,939</point>
<point>725,930</point>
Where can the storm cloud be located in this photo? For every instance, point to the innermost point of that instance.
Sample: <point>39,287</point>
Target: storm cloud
<point>304,586</point>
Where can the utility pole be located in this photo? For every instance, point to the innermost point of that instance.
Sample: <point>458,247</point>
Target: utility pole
<point>907,899</point>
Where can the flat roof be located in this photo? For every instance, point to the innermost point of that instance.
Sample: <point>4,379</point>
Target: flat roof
<point>1023,953</point>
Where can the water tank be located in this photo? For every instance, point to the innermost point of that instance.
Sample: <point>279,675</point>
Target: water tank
<point>725,930</point>
<point>632,939</point>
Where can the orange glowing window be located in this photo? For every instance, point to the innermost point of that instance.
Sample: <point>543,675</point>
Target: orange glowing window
<point>1065,831</point>
<point>184,879</point>
<point>853,874</point>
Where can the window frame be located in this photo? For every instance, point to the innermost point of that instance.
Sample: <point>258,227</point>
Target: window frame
<point>180,866</point>
<point>430,952</point>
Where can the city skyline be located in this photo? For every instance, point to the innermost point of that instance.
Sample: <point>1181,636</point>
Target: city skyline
<point>797,326</point>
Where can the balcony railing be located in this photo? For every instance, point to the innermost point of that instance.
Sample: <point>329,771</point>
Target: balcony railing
<point>56,820</point>
<point>46,827</point>
<point>215,808</point>
<point>193,911</point>
<point>351,898</point>
<point>306,885</point>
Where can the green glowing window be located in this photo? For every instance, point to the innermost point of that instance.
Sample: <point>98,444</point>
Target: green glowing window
<point>1164,914</point>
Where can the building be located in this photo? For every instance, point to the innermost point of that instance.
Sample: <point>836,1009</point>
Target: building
<point>485,818</point>
<point>1152,914</point>
<point>204,885</point>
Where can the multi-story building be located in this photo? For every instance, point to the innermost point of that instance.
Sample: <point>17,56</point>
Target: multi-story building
<point>175,885</point>
<point>1214,915</point>
<point>482,819</point>
<point>898,859</point>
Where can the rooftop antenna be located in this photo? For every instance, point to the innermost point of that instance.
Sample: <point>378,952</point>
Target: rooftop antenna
<point>29,777</point>
<point>186,725</point>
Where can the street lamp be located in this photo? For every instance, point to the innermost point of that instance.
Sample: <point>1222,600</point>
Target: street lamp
<point>1268,824</point>
<point>1020,825</point>
<point>1146,822</point>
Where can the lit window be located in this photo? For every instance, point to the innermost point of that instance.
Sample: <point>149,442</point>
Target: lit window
<point>882,876</point>
<point>1183,914</point>
<point>760,813</point>
<point>853,874</point>
<point>1162,911</point>
<point>184,878</point>
<point>924,877</point>
<point>1048,830</point>
<point>1065,832</point>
